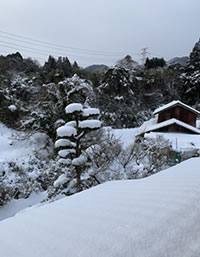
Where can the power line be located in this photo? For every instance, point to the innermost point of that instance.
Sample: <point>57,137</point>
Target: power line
<point>38,58</point>
<point>62,46</point>
<point>59,53</point>
<point>46,53</point>
<point>36,46</point>
<point>57,48</point>
<point>26,56</point>
<point>39,51</point>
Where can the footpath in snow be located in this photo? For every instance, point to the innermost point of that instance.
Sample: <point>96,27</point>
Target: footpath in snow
<point>152,217</point>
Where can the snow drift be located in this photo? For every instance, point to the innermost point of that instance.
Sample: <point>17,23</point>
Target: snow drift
<point>152,217</point>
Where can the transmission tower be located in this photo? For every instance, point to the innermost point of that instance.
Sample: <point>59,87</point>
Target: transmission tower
<point>144,54</point>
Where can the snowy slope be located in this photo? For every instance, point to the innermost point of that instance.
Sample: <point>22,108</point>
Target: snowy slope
<point>8,150</point>
<point>18,145</point>
<point>152,217</point>
<point>125,136</point>
<point>15,206</point>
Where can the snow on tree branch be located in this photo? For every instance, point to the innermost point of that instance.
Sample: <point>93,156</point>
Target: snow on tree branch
<point>75,107</point>
<point>64,142</point>
<point>91,124</point>
<point>66,131</point>
<point>90,111</point>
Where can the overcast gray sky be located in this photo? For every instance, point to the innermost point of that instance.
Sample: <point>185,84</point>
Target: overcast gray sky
<point>99,31</point>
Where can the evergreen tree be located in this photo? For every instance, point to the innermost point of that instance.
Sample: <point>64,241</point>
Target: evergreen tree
<point>56,70</point>
<point>154,63</point>
<point>127,63</point>
<point>70,141</point>
<point>194,60</point>
<point>75,67</point>
<point>50,64</point>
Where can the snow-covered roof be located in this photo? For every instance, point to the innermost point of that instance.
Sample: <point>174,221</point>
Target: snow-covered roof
<point>147,125</point>
<point>170,122</point>
<point>152,217</point>
<point>174,103</point>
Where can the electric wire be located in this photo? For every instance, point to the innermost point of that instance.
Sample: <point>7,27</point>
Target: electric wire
<point>34,46</point>
<point>89,51</point>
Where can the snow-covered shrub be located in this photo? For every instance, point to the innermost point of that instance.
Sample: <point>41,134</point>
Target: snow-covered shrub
<point>20,178</point>
<point>144,158</point>
<point>71,145</point>
<point>109,161</point>
<point>28,165</point>
<point>102,155</point>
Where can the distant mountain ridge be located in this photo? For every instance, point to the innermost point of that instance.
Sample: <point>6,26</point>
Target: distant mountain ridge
<point>96,68</point>
<point>179,60</point>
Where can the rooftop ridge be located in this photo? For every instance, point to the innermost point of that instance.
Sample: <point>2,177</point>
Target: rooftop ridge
<point>173,121</point>
<point>174,103</point>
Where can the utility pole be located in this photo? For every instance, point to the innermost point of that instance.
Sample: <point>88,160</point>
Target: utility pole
<point>144,55</point>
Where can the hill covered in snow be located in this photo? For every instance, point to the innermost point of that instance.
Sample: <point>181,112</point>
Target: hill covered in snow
<point>153,217</point>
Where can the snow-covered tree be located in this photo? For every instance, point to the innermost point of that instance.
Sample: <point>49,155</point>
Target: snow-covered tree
<point>194,60</point>
<point>70,145</point>
<point>127,63</point>
<point>145,157</point>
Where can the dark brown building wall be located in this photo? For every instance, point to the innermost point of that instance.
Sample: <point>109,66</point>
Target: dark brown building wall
<point>175,128</point>
<point>178,113</point>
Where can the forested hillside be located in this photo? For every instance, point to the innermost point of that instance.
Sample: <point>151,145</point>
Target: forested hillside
<point>125,94</point>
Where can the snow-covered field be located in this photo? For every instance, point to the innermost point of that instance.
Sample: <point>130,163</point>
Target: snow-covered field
<point>179,141</point>
<point>152,217</point>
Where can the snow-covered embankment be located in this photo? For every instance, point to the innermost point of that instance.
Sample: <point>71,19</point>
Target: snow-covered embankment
<point>151,217</point>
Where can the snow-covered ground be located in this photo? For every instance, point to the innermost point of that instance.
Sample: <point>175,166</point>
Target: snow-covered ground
<point>179,141</point>
<point>10,148</point>
<point>18,150</point>
<point>126,136</point>
<point>151,217</point>
<point>15,206</point>
<point>18,145</point>
<point>13,149</point>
